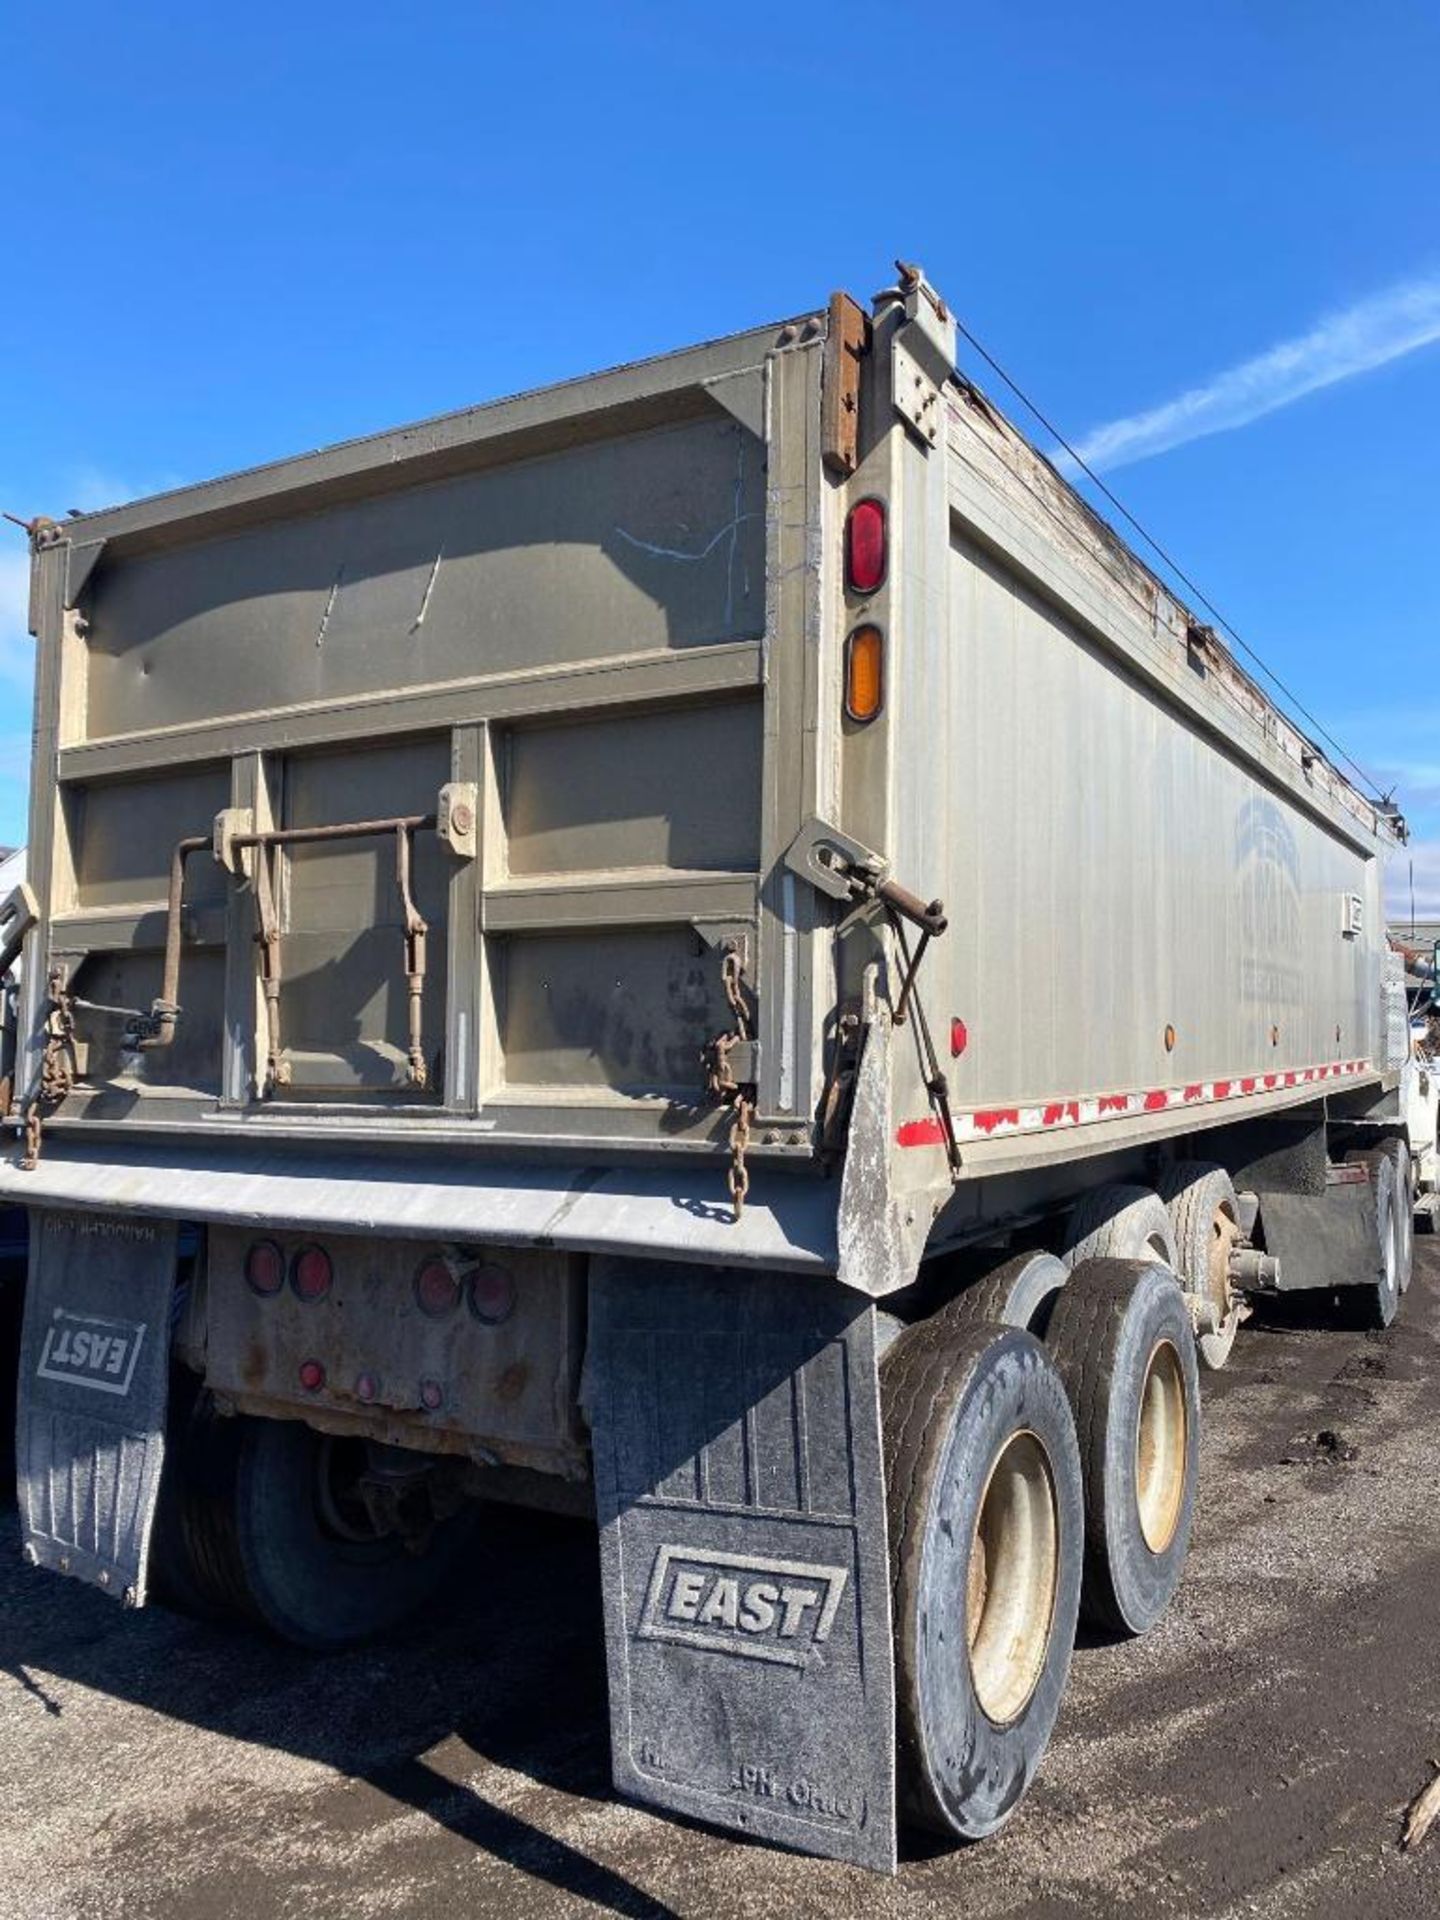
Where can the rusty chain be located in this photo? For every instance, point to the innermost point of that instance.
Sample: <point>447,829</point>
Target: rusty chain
<point>720,1081</point>
<point>738,1176</point>
<point>57,1067</point>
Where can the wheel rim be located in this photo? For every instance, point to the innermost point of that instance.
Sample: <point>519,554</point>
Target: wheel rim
<point>1161,1447</point>
<point>1013,1578</point>
<point>341,1511</point>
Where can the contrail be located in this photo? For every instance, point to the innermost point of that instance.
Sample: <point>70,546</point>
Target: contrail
<point>1367,335</point>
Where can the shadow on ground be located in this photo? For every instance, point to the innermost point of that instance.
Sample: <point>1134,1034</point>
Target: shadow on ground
<point>467,1668</point>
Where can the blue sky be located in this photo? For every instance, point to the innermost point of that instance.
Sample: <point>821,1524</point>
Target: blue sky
<point>231,235</point>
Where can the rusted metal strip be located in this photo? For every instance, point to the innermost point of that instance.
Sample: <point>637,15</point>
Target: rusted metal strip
<point>847,342</point>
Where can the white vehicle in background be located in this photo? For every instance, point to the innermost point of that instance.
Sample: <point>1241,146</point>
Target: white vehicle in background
<point>1420,1076</point>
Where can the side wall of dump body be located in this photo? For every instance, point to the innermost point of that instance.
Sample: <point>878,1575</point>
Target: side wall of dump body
<point>1164,904</point>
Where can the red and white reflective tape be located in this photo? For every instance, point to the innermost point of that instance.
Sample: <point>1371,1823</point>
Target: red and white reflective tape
<point>985,1123</point>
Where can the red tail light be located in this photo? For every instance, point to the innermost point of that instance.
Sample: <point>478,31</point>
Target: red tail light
<point>311,1273</point>
<point>492,1293</point>
<point>312,1375</point>
<point>865,546</point>
<point>265,1268</point>
<point>437,1291</point>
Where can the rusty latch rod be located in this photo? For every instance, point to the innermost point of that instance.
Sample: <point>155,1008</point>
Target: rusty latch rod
<point>415,932</point>
<point>904,905</point>
<point>936,1084</point>
<point>157,1028</point>
<point>277,1070</point>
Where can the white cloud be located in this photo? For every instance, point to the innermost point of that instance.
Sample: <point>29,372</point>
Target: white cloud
<point>1368,335</point>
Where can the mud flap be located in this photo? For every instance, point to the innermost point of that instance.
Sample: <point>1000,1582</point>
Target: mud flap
<point>740,1492</point>
<point>94,1374</point>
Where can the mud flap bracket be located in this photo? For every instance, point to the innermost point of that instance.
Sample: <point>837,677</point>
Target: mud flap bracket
<point>94,1375</point>
<point>740,1494</point>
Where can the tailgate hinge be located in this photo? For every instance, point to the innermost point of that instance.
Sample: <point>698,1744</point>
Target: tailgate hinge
<point>922,356</point>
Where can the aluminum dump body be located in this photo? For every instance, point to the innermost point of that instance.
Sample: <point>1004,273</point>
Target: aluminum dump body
<point>508,739</point>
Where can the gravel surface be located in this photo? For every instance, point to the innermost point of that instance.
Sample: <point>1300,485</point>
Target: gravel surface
<point>1253,1755</point>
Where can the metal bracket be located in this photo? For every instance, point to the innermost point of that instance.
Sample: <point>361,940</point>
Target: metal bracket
<point>725,935</point>
<point>842,868</point>
<point>922,358</point>
<point>731,1064</point>
<point>18,914</point>
<point>916,396</point>
<point>457,816</point>
<point>834,863</point>
<point>230,823</point>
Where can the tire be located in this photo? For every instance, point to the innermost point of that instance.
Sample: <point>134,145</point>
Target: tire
<point>1205,1215</point>
<point>1399,1152</point>
<point>982,1472</point>
<point>1381,1299</point>
<point>248,1527</point>
<point>1120,1223</point>
<point>1020,1293</point>
<point>1122,1341</point>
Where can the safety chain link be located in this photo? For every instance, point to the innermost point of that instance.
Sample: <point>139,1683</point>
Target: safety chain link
<point>57,1067</point>
<point>720,1081</point>
<point>738,1178</point>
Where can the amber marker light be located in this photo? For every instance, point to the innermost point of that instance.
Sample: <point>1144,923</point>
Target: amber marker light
<point>864,674</point>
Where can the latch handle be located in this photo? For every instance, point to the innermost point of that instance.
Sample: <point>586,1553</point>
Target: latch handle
<point>929,919</point>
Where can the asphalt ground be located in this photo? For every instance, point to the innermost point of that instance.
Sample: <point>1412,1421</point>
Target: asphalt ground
<point>1253,1755</point>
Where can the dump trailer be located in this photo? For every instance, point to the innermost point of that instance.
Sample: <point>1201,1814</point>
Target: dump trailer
<point>704,948</point>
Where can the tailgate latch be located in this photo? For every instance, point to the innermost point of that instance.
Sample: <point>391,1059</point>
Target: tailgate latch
<point>849,872</point>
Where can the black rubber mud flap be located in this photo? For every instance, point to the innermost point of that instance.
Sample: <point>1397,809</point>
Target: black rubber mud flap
<point>94,1366</point>
<point>741,1498</point>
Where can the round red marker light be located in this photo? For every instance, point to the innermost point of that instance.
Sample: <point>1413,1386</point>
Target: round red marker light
<point>865,546</point>
<point>312,1375</point>
<point>437,1291</point>
<point>492,1293</point>
<point>265,1269</point>
<point>432,1395</point>
<point>311,1273</point>
<point>959,1038</point>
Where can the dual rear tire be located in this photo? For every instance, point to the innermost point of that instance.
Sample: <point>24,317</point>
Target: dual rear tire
<point>1388,1166</point>
<point>265,1521</point>
<point>1027,1483</point>
<point>986,1529</point>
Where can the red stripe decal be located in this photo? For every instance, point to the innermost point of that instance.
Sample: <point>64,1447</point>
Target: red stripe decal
<point>1055,1113</point>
